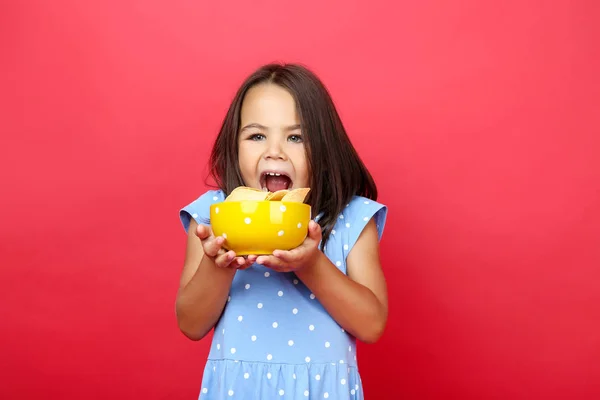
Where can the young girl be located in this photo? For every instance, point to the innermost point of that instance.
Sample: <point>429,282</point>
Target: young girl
<point>286,323</point>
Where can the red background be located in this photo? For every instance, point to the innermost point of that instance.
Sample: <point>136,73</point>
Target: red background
<point>478,119</point>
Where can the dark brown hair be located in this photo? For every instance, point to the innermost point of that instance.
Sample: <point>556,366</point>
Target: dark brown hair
<point>336,171</point>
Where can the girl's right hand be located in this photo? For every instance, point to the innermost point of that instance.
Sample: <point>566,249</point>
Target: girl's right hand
<point>213,249</point>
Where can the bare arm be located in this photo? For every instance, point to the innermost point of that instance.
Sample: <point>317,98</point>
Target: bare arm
<point>358,302</point>
<point>203,288</point>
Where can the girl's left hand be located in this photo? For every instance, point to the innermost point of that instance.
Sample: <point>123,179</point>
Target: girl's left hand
<point>298,258</point>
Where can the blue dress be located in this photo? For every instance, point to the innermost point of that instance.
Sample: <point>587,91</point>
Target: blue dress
<point>274,339</point>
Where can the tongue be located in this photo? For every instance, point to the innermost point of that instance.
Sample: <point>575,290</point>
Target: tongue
<point>275,183</point>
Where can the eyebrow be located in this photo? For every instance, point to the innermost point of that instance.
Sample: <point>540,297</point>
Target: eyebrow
<point>259,126</point>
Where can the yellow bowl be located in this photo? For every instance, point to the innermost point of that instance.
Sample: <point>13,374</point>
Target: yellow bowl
<point>260,227</point>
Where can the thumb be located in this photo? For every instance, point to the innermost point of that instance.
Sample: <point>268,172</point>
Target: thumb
<point>314,231</point>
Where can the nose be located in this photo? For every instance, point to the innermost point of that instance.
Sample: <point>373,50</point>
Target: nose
<point>275,150</point>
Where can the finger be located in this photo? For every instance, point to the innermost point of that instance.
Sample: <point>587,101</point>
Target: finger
<point>248,261</point>
<point>203,231</point>
<point>271,262</point>
<point>288,256</point>
<point>213,245</point>
<point>245,266</point>
<point>239,262</point>
<point>224,260</point>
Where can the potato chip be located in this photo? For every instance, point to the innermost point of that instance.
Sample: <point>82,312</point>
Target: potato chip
<point>278,195</point>
<point>243,193</point>
<point>296,195</point>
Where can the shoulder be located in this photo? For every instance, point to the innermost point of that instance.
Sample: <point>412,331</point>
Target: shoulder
<point>350,224</point>
<point>199,209</point>
<point>359,211</point>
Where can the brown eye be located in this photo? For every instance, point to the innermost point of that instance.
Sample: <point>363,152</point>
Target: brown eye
<point>256,137</point>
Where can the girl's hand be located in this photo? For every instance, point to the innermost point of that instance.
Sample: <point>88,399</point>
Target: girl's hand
<point>298,258</point>
<point>213,249</point>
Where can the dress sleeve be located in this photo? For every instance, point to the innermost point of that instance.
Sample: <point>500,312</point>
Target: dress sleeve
<point>355,218</point>
<point>199,209</point>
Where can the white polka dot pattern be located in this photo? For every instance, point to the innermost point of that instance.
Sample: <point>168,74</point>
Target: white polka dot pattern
<point>290,321</point>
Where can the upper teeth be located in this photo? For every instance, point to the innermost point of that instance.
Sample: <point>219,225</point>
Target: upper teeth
<point>273,173</point>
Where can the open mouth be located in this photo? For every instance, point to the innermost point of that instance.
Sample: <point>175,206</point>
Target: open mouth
<point>274,181</point>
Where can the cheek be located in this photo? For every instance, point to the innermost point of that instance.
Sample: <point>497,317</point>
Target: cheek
<point>245,163</point>
<point>245,168</point>
<point>301,166</point>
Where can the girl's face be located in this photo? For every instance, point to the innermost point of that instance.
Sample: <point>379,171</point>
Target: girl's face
<point>271,149</point>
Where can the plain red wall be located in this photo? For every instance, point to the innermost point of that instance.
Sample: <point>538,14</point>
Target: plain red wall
<point>479,120</point>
